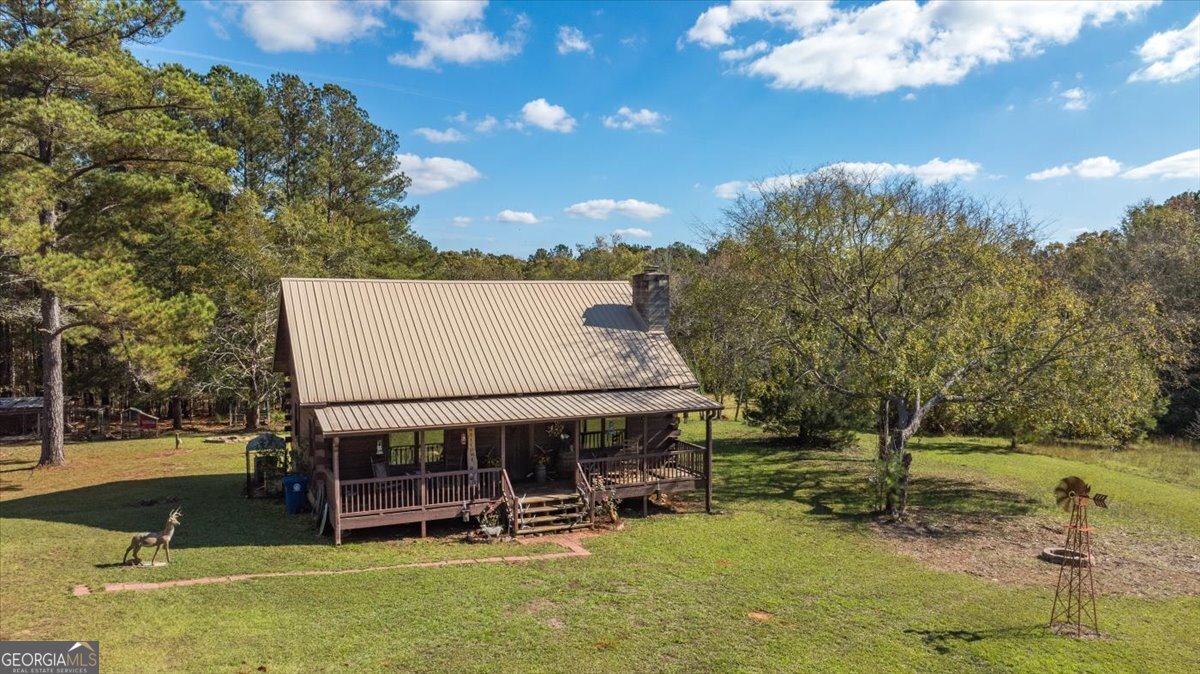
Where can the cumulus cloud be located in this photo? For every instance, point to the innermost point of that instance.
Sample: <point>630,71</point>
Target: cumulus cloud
<point>1075,99</point>
<point>460,220</point>
<point>434,174</point>
<point>517,217</point>
<point>486,124</point>
<point>545,115</point>
<point>864,50</point>
<point>1170,56</point>
<point>436,136</point>
<point>454,32</point>
<point>712,26</point>
<point>933,171</point>
<point>304,25</point>
<point>627,118</point>
<point>1092,167</point>
<point>745,52</point>
<point>1185,165</point>
<point>600,209</point>
<point>634,232</point>
<point>571,39</point>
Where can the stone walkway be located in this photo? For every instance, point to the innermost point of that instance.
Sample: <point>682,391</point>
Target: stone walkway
<point>569,541</point>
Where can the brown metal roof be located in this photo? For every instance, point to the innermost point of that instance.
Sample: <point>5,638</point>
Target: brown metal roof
<point>362,340</point>
<point>383,417</point>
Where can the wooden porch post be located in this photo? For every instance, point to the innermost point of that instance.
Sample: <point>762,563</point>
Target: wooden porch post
<point>421,458</point>
<point>645,433</point>
<point>503,447</point>
<point>472,461</point>
<point>708,449</point>
<point>337,494</point>
<point>575,439</point>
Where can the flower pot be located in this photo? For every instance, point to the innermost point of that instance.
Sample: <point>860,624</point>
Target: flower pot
<point>539,473</point>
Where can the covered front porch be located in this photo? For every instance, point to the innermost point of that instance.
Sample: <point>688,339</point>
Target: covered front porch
<point>379,468</point>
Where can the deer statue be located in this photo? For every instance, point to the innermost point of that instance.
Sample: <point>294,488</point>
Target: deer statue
<point>161,540</point>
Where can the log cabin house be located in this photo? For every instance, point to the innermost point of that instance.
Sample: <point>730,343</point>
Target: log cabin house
<point>413,401</point>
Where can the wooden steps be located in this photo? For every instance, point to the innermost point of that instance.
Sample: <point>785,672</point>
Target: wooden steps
<point>549,513</point>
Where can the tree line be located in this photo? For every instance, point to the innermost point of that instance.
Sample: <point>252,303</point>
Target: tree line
<point>147,214</point>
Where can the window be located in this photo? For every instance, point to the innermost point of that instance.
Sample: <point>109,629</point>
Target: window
<point>615,431</point>
<point>403,447</point>
<point>435,446</point>
<point>603,433</point>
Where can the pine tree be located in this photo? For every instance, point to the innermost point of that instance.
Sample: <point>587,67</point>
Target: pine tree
<point>94,148</point>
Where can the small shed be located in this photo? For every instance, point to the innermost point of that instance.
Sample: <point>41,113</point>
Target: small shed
<point>21,416</point>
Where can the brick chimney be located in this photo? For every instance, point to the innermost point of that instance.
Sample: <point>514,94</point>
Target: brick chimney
<point>652,297</point>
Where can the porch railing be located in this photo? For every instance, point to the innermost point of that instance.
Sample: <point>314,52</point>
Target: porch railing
<point>593,440</point>
<point>373,496</point>
<point>684,461</point>
<point>583,485</point>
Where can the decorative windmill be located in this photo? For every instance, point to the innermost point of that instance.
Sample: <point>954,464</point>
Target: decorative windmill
<point>1074,609</point>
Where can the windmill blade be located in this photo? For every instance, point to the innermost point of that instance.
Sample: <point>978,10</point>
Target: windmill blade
<point>1067,489</point>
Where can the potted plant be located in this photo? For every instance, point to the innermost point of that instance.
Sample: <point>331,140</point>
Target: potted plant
<point>541,458</point>
<point>489,522</point>
<point>605,501</point>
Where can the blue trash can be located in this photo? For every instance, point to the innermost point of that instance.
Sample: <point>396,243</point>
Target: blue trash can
<point>295,488</point>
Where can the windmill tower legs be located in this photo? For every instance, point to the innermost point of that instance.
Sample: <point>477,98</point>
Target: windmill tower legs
<point>1074,610</point>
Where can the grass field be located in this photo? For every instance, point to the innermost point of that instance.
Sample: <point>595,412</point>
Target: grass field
<point>791,575</point>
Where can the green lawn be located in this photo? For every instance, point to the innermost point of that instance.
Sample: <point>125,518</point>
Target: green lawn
<point>671,592</point>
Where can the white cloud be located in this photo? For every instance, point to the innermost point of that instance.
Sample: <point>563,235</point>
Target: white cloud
<point>436,136</point>
<point>1185,165</point>
<point>571,39</point>
<point>909,97</point>
<point>628,118</point>
<point>745,52</point>
<point>933,171</point>
<point>864,50</point>
<point>1097,167</point>
<point>1092,167</point>
<point>454,32</point>
<point>730,190</point>
<point>1052,172</point>
<point>600,209</point>
<point>1075,99</point>
<point>635,232</point>
<point>712,27</point>
<point>486,124</point>
<point>434,174</point>
<point>460,221</point>
<point>544,115</point>
<point>304,25</point>
<point>1171,56</point>
<point>517,217</point>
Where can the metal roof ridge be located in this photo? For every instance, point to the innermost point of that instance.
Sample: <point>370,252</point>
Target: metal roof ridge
<point>303,279</point>
<point>500,396</point>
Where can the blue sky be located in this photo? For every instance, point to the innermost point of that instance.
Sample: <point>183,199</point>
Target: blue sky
<point>530,124</point>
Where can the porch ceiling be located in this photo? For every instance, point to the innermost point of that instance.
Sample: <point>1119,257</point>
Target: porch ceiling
<point>364,418</point>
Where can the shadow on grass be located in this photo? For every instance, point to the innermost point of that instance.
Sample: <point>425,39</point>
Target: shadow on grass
<point>214,512</point>
<point>944,642</point>
<point>960,446</point>
<point>837,486</point>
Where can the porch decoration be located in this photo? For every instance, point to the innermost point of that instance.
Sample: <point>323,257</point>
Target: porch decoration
<point>541,459</point>
<point>605,501</point>
<point>490,528</point>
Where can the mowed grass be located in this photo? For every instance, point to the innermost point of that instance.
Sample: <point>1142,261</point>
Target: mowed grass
<point>671,592</point>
